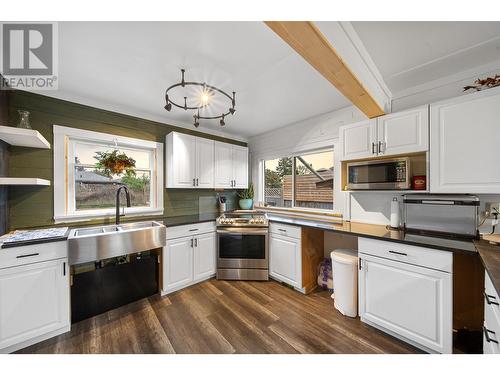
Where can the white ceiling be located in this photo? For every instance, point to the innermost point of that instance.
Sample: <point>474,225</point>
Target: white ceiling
<point>408,54</point>
<point>127,66</point>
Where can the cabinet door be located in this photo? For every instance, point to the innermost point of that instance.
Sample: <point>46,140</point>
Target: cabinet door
<point>204,163</point>
<point>183,161</point>
<point>464,136</point>
<point>404,132</point>
<point>284,259</point>
<point>204,256</point>
<point>410,301</point>
<point>240,167</point>
<point>223,165</point>
<point>358,141</point>
<point>177,264</point>
<point>34,301</point>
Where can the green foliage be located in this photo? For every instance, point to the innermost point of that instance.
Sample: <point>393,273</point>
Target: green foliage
<point>114,163</point>
<point>135,183</point>
<point>273,179</point>
<point>284,167</point>
<point>247,193</point>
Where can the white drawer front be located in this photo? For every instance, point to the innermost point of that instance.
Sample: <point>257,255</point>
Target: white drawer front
<point>420,256</point>
<point>20,255</point>
<point>285,230</point>
<point>190,230</point>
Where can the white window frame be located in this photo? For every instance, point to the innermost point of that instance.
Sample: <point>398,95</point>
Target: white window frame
<point>262,182</point>
<point>64,203</point>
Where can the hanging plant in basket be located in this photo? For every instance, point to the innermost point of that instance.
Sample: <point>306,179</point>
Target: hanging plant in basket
<point>115,163</point>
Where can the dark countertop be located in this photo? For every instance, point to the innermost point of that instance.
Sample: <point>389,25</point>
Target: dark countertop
<point>381,232</point>
<point>490,256</point>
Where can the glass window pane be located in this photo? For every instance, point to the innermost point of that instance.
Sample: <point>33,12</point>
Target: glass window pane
<point>278,182</point>
<point>314,180</point>
<point>95,190</point>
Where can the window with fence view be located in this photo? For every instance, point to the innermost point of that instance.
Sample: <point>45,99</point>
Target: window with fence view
<point>300,181</point>
<point>95,186</point>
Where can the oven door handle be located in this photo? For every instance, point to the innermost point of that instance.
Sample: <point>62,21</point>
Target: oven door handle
<point>246,231</point>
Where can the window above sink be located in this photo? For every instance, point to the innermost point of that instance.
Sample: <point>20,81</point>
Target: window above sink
<point>85,188</point>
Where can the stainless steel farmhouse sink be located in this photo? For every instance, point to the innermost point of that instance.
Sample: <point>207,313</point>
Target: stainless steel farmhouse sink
<point>97,243</point>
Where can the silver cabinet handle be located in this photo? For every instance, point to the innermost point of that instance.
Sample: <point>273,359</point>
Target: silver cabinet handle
<point>192,242</point>
<point>398,253</point>
<point>27,255</point>
<point>490,302</point>
<point>195,242</point>
<point>282,230</point>
<point>373,147</point>
<point>64,268</point>
<point>487,336</point>
<point>193,230</point>
<point>194,181</point>
<point>380,145</point>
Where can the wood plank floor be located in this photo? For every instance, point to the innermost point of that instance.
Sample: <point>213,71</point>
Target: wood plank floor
<point>225,317</point>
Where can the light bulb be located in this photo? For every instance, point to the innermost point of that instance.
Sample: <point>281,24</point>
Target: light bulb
<point>205,98</point>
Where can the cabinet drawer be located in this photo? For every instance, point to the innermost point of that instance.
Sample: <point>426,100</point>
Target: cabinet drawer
<point>285,230</point>
<point>17,256</point>
<point>491,330</point>
<point>190,230</point>
<point>491,305</point>
<point>420,256</point>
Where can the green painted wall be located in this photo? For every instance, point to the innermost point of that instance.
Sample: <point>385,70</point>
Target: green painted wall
<point>31,206</point>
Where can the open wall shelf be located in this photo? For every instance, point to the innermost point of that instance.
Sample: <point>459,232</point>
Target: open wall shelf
<point>23,137</point>
<point>24,181</point>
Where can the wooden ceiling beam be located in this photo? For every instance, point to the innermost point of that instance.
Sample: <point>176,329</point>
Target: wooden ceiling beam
<point>310,43</point>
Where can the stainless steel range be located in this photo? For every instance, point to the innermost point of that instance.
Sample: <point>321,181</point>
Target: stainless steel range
<point>242,246</point>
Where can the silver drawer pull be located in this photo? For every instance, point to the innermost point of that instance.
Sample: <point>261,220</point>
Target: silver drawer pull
<point>193,230</point>
<point>282,230</point>
<point>398,253</point>
<point>487,336</point>
<point>28,255</point>
<point>488,300</point>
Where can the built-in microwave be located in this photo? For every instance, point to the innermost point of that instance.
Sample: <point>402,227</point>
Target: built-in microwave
<point>385,174</point>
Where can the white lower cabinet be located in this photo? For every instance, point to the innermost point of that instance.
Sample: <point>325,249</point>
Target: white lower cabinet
<point>189,258</point>
<point>34,303</point>
<point>411,302</point>
<point>491,329</point>
<point>285,255</point>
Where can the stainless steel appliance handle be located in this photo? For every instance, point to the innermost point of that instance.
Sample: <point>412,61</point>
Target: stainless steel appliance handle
<point>439,202</point>
<point>487,336</point>
<point>247,231</point>
<point>490,302</point>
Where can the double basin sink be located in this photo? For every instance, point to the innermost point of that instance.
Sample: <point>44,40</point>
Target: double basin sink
<point>98,243</point>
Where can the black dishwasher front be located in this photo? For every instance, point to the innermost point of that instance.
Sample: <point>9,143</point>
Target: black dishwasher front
<point>100,286</point>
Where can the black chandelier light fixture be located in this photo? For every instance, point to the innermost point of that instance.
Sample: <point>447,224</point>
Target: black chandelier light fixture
<point>207,92</point>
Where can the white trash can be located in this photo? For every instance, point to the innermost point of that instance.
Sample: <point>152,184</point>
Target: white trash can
<point>345,281</point>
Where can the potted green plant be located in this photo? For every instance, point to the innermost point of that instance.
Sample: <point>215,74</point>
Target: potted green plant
<point>246,198</point>
<point>115,163</point>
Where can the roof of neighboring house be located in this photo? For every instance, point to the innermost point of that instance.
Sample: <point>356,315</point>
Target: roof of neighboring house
<point>91,177</point>
<point>309,188</point>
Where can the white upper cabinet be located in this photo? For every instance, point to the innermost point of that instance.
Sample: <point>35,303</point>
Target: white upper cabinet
<point>403,132</point>
<point>190,161</point>
<point>231,166</point>
<point>358,141</point>
<point>223,165</point>
<point>204,163</point>
<point>396,133</point>
<point>464,136</point>
<point>240,167</point>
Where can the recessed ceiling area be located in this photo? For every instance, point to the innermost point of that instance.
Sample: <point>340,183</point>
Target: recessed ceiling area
<point>126,66</point>
<point>408,54</point>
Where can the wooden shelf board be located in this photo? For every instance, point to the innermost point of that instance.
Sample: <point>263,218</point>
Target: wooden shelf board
<point>23,137</point>
<point>23,181</point>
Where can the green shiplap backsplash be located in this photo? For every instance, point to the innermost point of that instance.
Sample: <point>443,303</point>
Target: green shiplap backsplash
<point>32,206</point>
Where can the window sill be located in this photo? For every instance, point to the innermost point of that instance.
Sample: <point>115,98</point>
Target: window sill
<point>103,215</point>
<point>309,213</point>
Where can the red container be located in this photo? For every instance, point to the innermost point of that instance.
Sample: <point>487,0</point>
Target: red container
<point>419,182</point>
